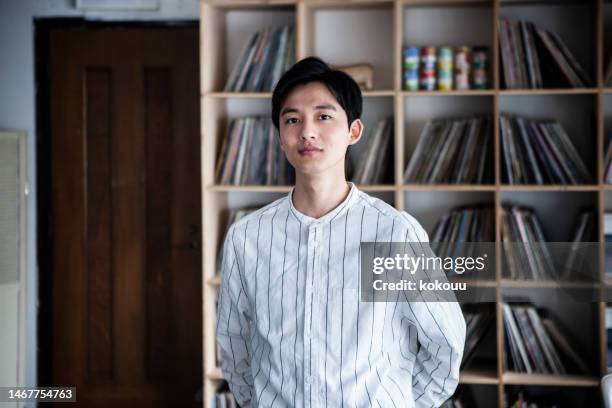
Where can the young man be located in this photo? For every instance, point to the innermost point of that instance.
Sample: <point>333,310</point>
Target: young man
<point>291,329</point>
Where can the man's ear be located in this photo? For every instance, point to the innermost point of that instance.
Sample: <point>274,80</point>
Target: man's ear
<point>355,131</point>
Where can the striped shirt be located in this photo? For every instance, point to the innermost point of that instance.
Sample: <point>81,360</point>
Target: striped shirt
<point>292,331</point>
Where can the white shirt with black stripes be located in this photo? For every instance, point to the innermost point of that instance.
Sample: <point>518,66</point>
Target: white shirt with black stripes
<point>292,331</point>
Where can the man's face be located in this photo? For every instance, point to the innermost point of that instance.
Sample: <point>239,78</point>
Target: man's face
<point>314,131</point>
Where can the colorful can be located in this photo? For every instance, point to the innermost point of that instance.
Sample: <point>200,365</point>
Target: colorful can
<point>428,68</point>
<point>411,68</point>
<point>428,80</point>
<point>411,80</point>
<point>411,58</point>
<point>445,69</point>
<point>462,68</point>
<point>480,65</point>
<point>428,57</point>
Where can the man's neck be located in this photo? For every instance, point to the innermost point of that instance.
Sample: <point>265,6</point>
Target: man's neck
<point>316,197</point>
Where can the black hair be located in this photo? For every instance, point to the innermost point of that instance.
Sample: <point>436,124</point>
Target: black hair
<point>313,69</point>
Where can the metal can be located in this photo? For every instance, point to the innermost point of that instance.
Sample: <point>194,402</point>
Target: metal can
<point>411,58</point>
<point>411,68</point>
<point>480,64</point>
<point>428,68</point>
<point>428,80</point>
<point>462,68</point>
<point>445,69</point>
<point>411,80</point>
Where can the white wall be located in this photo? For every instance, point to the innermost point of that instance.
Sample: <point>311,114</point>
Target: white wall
<point>17,107</point>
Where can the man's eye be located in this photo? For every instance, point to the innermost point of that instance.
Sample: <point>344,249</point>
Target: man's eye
<point>290,121</point>
<point>324,116</point>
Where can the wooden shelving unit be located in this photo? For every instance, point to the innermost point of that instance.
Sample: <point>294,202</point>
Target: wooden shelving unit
<point>375,31</point>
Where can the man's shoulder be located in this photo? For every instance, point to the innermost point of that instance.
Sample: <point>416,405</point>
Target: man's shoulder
<point>402,218</point>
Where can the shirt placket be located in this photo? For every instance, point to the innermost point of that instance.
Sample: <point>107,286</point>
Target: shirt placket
<point>311,312</point>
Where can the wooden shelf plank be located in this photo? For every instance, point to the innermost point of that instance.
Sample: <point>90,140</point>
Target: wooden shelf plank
<point>375,93</point>
<point>377,187</point>
<point>231,4</point>
<point>249,188</point>
<point>448,187</point>
<point>483,283</point>
<point>544,284</point>
<point>559,91</point>
<point>451,3</point>
<point>242,95</point>
<point>286,189</point>
<point>478,376</point>
<point>539,2</point>
<point>548,379</point>
<point>548,187</point>
<point>268,95</point>
<point>475,92</point>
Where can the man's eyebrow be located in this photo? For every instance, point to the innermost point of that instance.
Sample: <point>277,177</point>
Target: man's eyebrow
<point>288,110</point>
<point>318,107</point>
<point>328,107</point>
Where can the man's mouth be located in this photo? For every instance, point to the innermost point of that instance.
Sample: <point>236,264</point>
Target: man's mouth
<point>309,151</point>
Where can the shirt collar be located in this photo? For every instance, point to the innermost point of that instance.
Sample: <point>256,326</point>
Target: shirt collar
<point>342,207</point>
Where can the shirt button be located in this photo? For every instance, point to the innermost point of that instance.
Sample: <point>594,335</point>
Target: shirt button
<point>307,380</point>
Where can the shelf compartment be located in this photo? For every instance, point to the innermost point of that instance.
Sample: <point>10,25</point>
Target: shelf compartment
<point>363,30</point>
<point>225,30</point>
<point>575,113</point>
<point>572,21</point>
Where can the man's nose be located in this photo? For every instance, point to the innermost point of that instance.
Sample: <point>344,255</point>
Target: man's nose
<point>308,130</point>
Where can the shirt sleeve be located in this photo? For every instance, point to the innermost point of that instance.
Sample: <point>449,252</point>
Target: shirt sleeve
<point>441,336</point>
<point>233,329</point>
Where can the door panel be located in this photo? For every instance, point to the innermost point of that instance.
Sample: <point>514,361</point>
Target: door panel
<point>125,159</point>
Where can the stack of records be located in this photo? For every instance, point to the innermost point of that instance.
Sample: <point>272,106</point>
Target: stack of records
<point>234,216</point>
<point>478,321</point>
<point>608,75</point>
<point>375,165</point>
<point>539,152</point>
<point>536,345</point>
<point>456,233</point>
<point>577,265</point>
<point>453,151</point>
<point>473,223</point>
<point>251,154</point>
<point>264,58</point>
<point>608,165</point>
<point>526,254</point>
<point>536,58</point>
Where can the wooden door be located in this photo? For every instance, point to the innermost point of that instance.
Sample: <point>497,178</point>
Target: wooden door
<point>125,198</point>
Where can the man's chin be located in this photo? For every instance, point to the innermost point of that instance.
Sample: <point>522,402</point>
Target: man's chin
<point>309,171</point>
